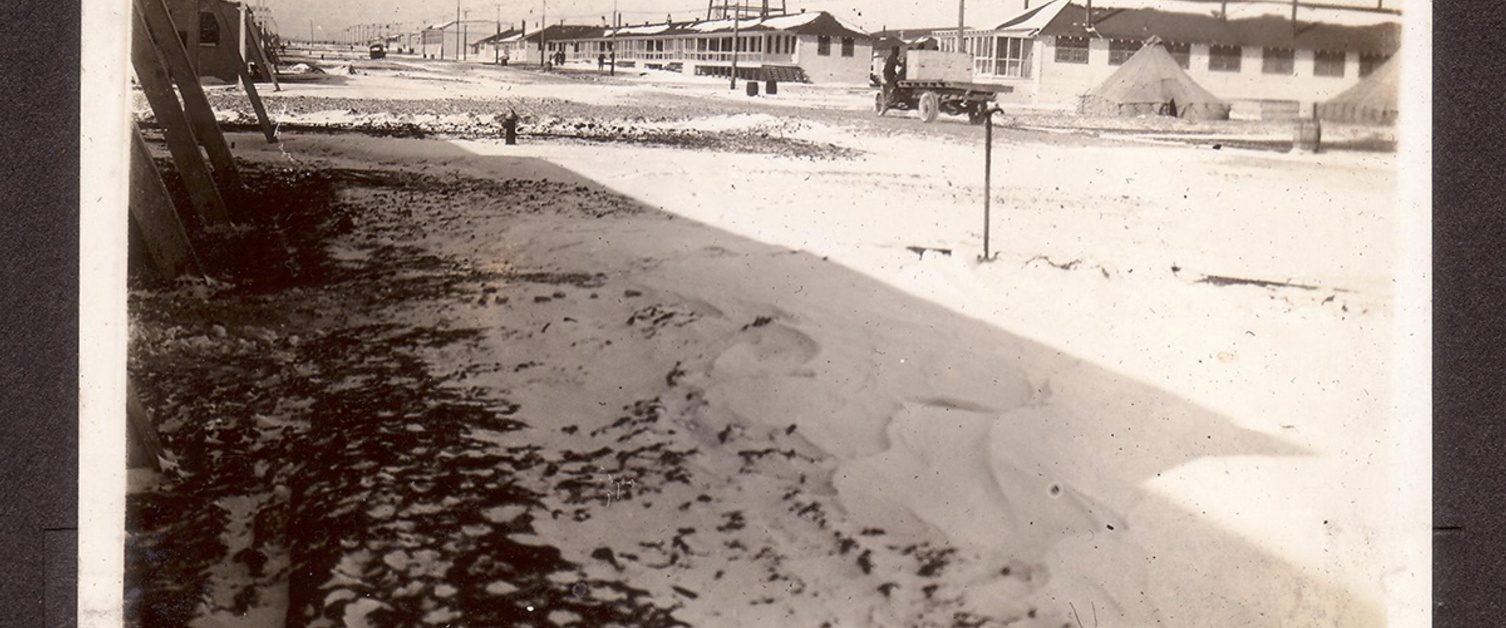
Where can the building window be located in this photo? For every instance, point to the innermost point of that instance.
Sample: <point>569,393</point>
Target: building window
<point>1120,50</point>
<point>823,46</point>
<point>1277,61</point>
<point>1328,63</point>
<point>209,29</point>
<point>847,46</point>
<point>1071,50</point>
<point>1223,58</point>
<point>1181,53</point>
<point>1005,56</point>
<point>1368,63</point>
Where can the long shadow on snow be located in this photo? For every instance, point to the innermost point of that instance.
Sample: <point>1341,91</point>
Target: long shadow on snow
<point>1256,586</point>
<point>1232,580</point>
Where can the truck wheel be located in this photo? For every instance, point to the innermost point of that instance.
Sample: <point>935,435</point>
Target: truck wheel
<point>930,105</point>
<point>879,104</point>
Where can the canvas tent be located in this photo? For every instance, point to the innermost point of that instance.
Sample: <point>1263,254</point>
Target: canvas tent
<point>1371,101</point>
<point>1151,83</point>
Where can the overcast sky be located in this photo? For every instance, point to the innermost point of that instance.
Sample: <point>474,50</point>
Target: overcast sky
<point>329,19</point>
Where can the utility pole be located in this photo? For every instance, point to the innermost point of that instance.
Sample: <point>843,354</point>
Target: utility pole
<point>543,24</point>
<point>241,32</point>
<point>457,32</point>
<point>616,24</point>
<point>736,15</point>
<point>961,23</point>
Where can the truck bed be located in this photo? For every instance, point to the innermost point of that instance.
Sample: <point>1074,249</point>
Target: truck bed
<point>955,85</point>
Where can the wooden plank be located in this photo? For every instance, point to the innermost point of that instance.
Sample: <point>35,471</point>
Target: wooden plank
<point>144,446</point>
<point>155,218</point>
<point>157,87</point>
<point>162,30</point>
<point>247,81</point>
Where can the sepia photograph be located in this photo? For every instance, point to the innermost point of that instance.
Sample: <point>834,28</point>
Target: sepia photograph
<point>821,313</point>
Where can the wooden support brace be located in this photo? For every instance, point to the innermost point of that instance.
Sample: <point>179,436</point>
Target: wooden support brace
<point>227,15</point>
<point>181,142</point>
<point>160,28</point>
<point>155,218</point>
<point>259,53</point>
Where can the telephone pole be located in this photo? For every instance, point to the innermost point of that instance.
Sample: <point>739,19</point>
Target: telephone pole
<point>736,15</point>
<point>961,23</point>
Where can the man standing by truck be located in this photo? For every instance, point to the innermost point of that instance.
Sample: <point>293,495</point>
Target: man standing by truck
<point>894,70</point>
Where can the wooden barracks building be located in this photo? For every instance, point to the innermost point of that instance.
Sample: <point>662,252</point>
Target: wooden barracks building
<point>214,34</point>
<point>1055,52</point>
<point>815,46</point>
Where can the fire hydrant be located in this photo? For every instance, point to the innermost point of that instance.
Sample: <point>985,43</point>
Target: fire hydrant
<point>510,128</point>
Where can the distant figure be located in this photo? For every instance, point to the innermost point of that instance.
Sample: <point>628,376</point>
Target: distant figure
<point>601,62</point>
<point>559,58</point>
<point>894,70</point>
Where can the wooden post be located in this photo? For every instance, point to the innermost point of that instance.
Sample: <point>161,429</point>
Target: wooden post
<point>249,83</point>
<point>157,26</point>
<point>154,216</point>
<point>157,87</point>
<point>988,168</point>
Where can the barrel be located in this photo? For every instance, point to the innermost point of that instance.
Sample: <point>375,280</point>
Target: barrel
<point>1308,136</point>
<point>752,87</point>
<point>771,87</point>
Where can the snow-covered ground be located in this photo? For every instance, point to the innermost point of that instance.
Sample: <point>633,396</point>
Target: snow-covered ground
<point>1163,400</point>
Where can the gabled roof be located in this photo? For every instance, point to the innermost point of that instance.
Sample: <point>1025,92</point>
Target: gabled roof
<point>916,34</point>
<point>452,23</point>
<point>813,23</point>
<point>1032,21</point>
<point>1062,18</point>
<point>511,33</point>
<point>556,32</point>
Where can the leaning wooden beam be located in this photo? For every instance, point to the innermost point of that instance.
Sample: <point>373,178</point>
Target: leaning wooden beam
<point>155,218</point>
<point>228,15</point>
<point>259,52</point>
<point>162,30</point>
<point>144,446</point>
<point>157,87</point>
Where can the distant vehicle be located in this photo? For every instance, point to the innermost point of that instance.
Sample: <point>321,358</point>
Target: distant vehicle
<point>378,51</point>
<point>939,82</point>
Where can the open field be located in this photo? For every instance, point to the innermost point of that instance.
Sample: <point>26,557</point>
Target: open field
<point>685,357</point>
